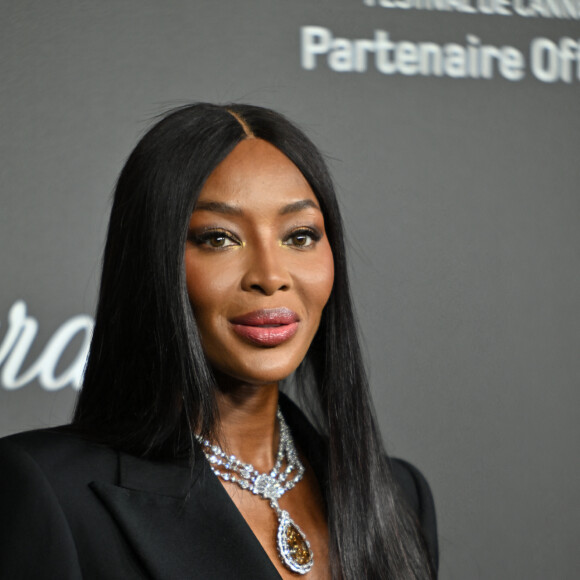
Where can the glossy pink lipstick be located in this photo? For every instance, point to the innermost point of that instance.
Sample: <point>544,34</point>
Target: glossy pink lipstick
<point>267,327</point>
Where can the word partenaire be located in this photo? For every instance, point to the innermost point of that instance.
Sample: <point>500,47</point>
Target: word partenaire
<point>549,61</point>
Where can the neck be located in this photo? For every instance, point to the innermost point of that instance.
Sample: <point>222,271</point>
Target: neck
<point>248,425</point>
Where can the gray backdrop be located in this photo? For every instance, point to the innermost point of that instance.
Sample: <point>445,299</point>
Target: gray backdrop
<point>459,185</point>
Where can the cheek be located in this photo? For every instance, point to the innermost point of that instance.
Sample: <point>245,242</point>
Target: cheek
<point>206,284</point>
<point>319,279</point>
<point>194,274</point>
<point>207,290</point>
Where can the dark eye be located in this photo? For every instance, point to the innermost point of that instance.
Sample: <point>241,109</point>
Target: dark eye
<point>219,241</point>
<point>302,238</point>
<point>216,239</point>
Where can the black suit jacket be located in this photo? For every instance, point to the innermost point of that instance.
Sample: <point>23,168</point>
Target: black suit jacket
<point>71,509</point>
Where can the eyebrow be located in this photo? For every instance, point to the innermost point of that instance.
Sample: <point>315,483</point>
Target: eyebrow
<point>227,209</point>
<point>299,206</point>
<point>218,207</point>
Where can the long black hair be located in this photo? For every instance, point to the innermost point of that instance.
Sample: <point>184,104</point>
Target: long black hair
<point>147,381</point>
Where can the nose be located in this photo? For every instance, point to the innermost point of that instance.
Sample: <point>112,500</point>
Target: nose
<point>266,271</point>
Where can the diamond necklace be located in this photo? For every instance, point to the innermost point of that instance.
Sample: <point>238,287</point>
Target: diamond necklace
<point>293,547</point>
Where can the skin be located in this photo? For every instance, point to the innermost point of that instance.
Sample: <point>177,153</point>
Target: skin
<point>257,241</point>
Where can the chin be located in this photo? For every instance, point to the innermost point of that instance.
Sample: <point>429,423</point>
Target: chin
<point>258,375</point>
<point>261,379</point>
<point>252,365</point>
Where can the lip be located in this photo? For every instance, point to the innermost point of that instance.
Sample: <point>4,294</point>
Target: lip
<point>266,327</point>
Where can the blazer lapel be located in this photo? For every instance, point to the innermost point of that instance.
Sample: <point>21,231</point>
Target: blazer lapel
<point>181,522</point>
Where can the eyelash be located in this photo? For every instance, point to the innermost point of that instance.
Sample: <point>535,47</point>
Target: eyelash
<point>313,234</point>
<point>206,237</point>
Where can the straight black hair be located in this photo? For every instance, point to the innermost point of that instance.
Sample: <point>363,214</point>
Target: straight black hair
<point>147,382</point>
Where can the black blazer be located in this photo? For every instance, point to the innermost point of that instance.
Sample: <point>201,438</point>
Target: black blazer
<point>71,509</point>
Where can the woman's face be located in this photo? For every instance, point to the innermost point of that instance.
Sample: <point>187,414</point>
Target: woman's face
<point>258,264</point>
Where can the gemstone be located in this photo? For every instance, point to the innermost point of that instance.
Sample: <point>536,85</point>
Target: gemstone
<point>298,549</point>
<point>262,483</point>
<point>293,546</point>
<point>267,487</point>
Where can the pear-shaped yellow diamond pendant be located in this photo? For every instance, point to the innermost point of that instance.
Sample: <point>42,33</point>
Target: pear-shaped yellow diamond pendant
<point>293,547</point>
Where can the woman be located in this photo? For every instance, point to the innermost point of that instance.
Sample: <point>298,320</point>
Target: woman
<point>224,272</point>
